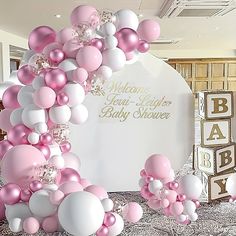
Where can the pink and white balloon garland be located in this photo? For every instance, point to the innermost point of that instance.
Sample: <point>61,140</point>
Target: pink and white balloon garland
<point>177,198</point>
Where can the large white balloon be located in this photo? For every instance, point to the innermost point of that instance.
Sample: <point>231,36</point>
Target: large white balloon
<point>79,114</point>
<point>190,186</point>
<point>60,114</point>
<point>76,94</point>
<point>114,58</point>
<point>68,64</point>
<point>71,160</point>
<point>126,18</point>
<point>40,204</point>
<point>81,213</point>
<point>25,96</point>
<point>231,185</point>
<point>16,116</point>
<point>118,227</point>
<point>18,210</point>
<point>32,115</point>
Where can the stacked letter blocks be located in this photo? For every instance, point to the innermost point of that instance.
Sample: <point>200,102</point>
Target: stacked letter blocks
<point>216,153</point>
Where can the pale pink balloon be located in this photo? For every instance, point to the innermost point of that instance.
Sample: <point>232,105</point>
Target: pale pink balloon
<point>5,123</point>
<point>98,191</point>
<point>62,98</point>
<point>172,196</point>
<point>55,79</point>
<point>71,48</point>
<point>5,145</point>
<point>70,187</point>
<point>10,194</point>
<point>31,225</point>
<point>50,224</point>
<point>50,47</point>
<point>80,75</point>
<point>68,174</point>
<point>9,97</point>
<point>149,30</point>
<point>44,149</point>
<point>85,183</point>
<point>65,35</point>
<point>65,146</point>
<point>56,56</point>
<point>25,75</point>
<point>102,231</point>
<point>109,219</point>
<point>19,163</point>
<point>44,97</point>
<point>132,212</point>
<point>127,39</point>
<point>143,46</point>
<point>35,185</point>
<point>25,195</point>
<point>158,166</point>
<point>97,43</point>
<point>57,197</point>
<point>89,57</point>
<point>40,37</point>
<point>176,208</point>
<point>18,134</point>
<point>2,210</point>
<point>46,139</point>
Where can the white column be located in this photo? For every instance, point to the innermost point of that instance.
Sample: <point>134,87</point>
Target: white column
<point>5,58</point>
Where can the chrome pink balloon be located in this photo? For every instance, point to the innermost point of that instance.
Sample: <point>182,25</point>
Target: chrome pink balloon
<point>127,39</point>
<point>10,194</point>
<point>62,98</point>
<point>103,231</point>
<point>35,185</point>
<point>5,123</point>
<point>55,79</point>
<point>40,37</point>
<point>5,145</point>
<point>45,150</point>
<point>97,43</point>
<point>46,138</point>
<point>25,75</point>
<point>143,46</point>
<point>56,56</point>
<point>68,174</point>
<point>9,97</point>
<point>50,47</point>
<point>109,219</point>
<point>65,147</point>
<point>18,134</point>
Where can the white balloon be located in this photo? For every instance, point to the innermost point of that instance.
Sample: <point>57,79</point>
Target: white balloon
<point>108,29</point>
<point>16,116</point>
<point>189,207</point>
<point>190,186</point>
<point>110,42</point>
<point>26,57</point>
<point>81,213</point>
<point>126,18</point>
<point>79,114</point>
<point>68,64</point>
<point>155,185</point>
<point>118,227</point>
<point>114,58</point>
<point>181,218</point>
<point>50,187</point>
<point>105,72</point>
<point>57,161</point>
<point>33,138</point>
<point>231,185</point>
<point>4,86</point>
<point>18,210</point>
<point>16,225</point>
<point>25,96</point>
<point>41,127</point>
<point>60,114</point>
<point>76,94</point>
<point>71,160</point>
<point>107,204</point>
<point>193,217</point>
<point>38,82</point>
<point>40,204</point>
<point>32,115</point>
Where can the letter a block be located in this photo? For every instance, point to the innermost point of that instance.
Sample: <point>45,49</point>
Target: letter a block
<point>215,132</point>
<point>216,160</point>
<point>215,105</point>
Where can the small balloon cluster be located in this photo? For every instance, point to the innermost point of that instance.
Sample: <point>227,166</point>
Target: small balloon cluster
<point>43,187</point>
<point>177,198</point>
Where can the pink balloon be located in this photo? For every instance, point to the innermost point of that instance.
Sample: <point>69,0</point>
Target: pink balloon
<point>65,146</point>
<point>2,210</point>
<point>50,47</point>
<point>56,56</point>
<point>31,225</point>
<point>62,98</point>
<point>18,134</point>
<point>65,35</point>
<point>5,145</point>
<point>132,212</point>
<point>127,39</point>
<point>72,47</point>
<point>57,197</point>
<point>89,57</point>
<point>97,43</point>
<point>10,194</point>
<point>80,75</point>
<point>19,163</point>
<point>5,123</point>
<point>103,231</point>
<point>25,195</point>
<point>85,183</point>
<point>176,208</point>
<point>25,75</point>
<point>46,139</point>
<point>145,193</point>
<point>98,191</point>
<point>50,224</point>
<point>44,149</point>
<point>158,166</point>
<point>9,97</point>
<point>40,37</point>
<point>143,46</point>
<point>70,187</point>
<point>35,185</point>
<point>44,97</point>
<point>154,204</point>
<point>129,56</point>
<point>109,219</point>
<point>167,211</point>
<point>172,196</point>
<point>68,174</point>
<point>55,79</point>
<point>149,30</point>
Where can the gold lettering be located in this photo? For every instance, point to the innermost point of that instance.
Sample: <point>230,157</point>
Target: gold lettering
<point>205,160</point>
<point>222,184</point>
<point>215,131</point>
<point>220,105</point>
<point>225,158</point>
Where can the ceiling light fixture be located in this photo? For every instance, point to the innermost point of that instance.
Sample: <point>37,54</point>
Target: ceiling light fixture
<point>57,16</point>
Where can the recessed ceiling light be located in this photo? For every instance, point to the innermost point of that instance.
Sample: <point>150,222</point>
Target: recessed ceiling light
<point>57,16</point>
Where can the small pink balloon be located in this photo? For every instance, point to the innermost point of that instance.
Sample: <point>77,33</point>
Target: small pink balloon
<point>55,79</point>
<point>149,30</point>
<point>56,197</point>
<point>176,208</point>
<point>154,204</point>
<point>181,197</point>
<point>85,183</point>
<point>70,187</point>
<point>65,35</point>
<point>149,179</point>
<point>71,48</point>
<point>46,139</point>
<point>25,195</point>
<point>97,43</point>
<point>50,47</point>
<point>65,146</point>
<point>143,46</point>
<point>5,145</point>
<point>44,149</point>
<point>44,97</point>
<point>2,210</point>
<point>127,39</point>
<point>31,225</point>
<point>18,134</point>
<point>102,231</point>
<point>132,212</point>
<point>68,174</point>
<point>173,185</point>
<point>109,219</point>
<point>143,173</point>
<point>145,193</point>
<point>172,196</point>
<point>10,194</point>
<point>35,185</point>
<point>9,97</point>
<point>197,203</point>
<point>164,203</point>
<point>56,56</point>
<point>89,57</point>
<point>25,75</point>
<point>62,98</point>
<point>80,75</point>
<point>98,191</point>
<point>40,37</point>
<point>50,224</point>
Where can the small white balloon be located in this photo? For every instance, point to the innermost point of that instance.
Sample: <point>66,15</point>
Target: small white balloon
<point>118,227</point>
<point>50,187</point>
<point>41,127</point>
<point>60,114</point>
<point>33,138</point>
<point>189,207</point>
<point>18,210</point>
<point>181,218</point>
<point>16,116</point>
<point>108,29</point>
<point>16,225</point>
<point>107,204</point>
<point>155,185</point>
<point>110,42</point>
<point>38,82</point>
<point>40,204</point>
<point>71,160</point>
<point>193,217</point>
<point>25,96</point>
<point>231,185</point>
<point>79,114</point>
<point>104,71</point>
<point>68,64</point>
<point>57,161</point>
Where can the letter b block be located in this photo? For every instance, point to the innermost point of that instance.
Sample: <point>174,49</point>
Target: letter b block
<point>216,160</point>
<point>215,105</point>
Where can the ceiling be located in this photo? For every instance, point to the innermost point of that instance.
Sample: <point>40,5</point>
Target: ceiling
<point>20,17</point>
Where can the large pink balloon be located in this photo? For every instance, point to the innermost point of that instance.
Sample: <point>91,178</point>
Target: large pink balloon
<point>5,123</point>
<point>9,97</point>
<point>41,37</point>
<point>18,134</point>
<point>25,75</point>
<point>149,30</point>
<point>5,145</point>
<point>19,163</point>
<point>65,35</point>
<point>89,58</point>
